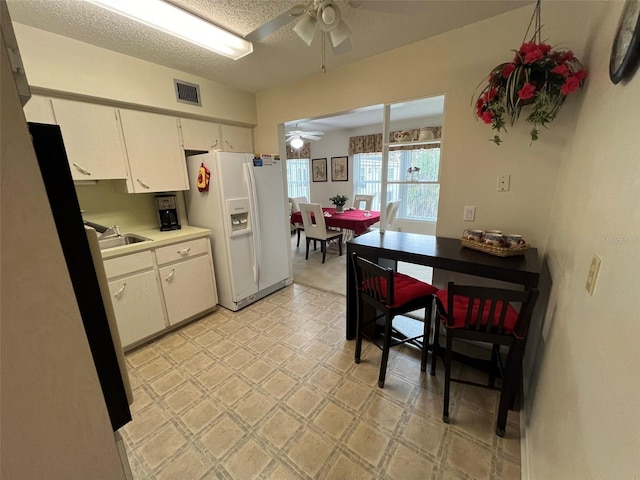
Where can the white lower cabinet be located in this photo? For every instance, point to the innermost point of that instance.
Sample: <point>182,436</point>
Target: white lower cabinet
<point>137,303</point>
<point>158,288</point>
<point>188,288</point>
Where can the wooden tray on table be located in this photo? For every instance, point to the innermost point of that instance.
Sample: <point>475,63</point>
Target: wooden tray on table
<point>497,251</point>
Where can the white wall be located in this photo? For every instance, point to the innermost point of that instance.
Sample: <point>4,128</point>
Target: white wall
<point>585,421</point>
<point>54,62</point>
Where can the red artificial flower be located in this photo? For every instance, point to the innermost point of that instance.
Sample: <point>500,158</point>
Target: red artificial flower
<point>528,47</point>
<point>544,48</point>
<point>487,117</point>
<point>508,70</point>
<point>561,70</point>
<point>570,85</point>
<point>580,75</point>
<point>526,91</point>
<point>533,56</point>
<point>568,55</point>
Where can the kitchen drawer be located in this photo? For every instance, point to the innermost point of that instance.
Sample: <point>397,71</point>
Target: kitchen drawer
<point>182,250</point>
<point>114,267</point>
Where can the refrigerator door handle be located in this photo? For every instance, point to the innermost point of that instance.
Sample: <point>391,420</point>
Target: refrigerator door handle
<point>255,231</point>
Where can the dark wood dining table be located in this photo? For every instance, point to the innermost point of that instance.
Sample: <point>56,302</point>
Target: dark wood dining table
<point>355,220</point>
<point>437,252</point>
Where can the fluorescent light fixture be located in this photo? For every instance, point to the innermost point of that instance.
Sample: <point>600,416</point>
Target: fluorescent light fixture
<point>174,21</point>
<point>296,142</point>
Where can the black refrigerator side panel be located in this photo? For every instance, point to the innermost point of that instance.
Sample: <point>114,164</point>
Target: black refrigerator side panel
<point>52,158</point>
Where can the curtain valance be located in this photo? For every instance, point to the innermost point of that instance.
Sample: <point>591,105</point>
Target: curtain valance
<point>303,152</point>
<point>373,143</point>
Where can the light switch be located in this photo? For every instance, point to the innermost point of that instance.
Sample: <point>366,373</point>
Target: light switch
<point>592,277</point>
<point>503,182</point>
<point>469,213</point>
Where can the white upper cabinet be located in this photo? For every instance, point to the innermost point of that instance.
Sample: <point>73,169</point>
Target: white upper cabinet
<point>92,139</point>
<point>200,135</point>
<point>236,139</point>
<point>156,159</point>
<point>39,110</point>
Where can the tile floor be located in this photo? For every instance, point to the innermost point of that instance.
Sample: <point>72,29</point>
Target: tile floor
<point>272,392</point>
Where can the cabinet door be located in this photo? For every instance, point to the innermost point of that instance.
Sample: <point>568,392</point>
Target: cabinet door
<point>39,110</point>
<point>156,159</point>
<point>199,135</point>
<point>188,288</point>
<point>236,139</point>
<point>137,304</point>
<point>92,139</point>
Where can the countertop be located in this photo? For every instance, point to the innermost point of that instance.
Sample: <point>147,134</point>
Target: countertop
<point>158,238</point>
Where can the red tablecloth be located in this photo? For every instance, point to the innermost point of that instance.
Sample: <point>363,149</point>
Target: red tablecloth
<point>349,219</point>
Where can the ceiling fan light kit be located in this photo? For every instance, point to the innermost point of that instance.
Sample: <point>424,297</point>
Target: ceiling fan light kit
<point>295,137</point>
<point>296,142</point>
<point>306,29</point>
<point>179,23</point>
<point>323,15</point>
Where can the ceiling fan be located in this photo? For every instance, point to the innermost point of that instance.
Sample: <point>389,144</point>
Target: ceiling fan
<point>325,16</point>
<point>317,15</point>
<point>295,137</point>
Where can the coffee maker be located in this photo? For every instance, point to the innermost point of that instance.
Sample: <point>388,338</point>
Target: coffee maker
<point>167,212</point>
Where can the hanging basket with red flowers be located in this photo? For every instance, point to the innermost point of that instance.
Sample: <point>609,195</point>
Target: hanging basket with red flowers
<point>539,79</point>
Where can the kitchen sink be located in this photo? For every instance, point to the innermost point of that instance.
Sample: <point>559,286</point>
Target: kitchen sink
<point>121,240</point>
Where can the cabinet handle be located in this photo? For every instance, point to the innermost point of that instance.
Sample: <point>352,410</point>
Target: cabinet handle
<point>228,144</point>
<point>121,290</point>
<point>84,171</point>
<point>214,145</point>
<point>170,276</point>
<point>185,251</point>
<point>144,185</point>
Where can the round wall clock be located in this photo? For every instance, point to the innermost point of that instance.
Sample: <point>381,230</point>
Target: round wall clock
<point>625,51</point>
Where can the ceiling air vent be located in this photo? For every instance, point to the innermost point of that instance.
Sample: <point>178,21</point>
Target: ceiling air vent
<point>187,92</point>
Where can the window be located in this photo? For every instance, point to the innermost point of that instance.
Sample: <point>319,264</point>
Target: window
<point>298,177</point>
<point>418,189</point>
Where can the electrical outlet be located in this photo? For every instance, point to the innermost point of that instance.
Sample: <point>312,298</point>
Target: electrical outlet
<point>469,213</point>
<point>592,277</point>
<point>503,182</point>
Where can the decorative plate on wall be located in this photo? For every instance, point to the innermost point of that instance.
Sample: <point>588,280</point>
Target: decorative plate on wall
<point>625,51</point>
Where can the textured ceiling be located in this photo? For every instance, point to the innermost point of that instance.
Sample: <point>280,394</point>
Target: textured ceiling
<point>278,59</point>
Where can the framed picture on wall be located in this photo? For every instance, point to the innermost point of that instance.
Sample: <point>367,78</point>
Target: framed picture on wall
<point>319,169</point>
<point>339,169</point>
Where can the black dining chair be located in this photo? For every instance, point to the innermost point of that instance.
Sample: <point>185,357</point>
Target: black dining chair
<point>391,293</point>
<point>487,315</point>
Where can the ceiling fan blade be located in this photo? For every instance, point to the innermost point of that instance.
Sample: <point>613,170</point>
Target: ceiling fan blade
<point>315,132</point>
<point>306,28</point>
<point>275,23</point>
<point>339,34</point>
<point>344,47</point>
<point>310,137</point>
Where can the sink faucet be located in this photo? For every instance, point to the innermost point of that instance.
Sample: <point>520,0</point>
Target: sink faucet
<point>113,231</point>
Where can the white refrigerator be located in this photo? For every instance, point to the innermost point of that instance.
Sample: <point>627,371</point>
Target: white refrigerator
<point>244,207</point>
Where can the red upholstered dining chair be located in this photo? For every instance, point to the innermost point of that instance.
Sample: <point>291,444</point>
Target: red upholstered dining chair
<point>485,314</point>
<point>391,293</point>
